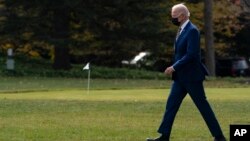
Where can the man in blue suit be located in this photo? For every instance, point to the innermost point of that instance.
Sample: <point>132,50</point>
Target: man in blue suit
<point>188,74</point>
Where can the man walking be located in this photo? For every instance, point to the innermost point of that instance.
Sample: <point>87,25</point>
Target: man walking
<point>188,74</point>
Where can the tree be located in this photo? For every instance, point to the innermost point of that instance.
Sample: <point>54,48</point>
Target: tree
<point>241,45</point>
<point>209,38</point>
<point>31,22</point>
<point>60,34</point>
<point>103,30</point>
<point>122,28</point>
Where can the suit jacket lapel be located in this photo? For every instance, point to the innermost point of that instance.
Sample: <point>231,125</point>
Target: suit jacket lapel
<point>183,31</point>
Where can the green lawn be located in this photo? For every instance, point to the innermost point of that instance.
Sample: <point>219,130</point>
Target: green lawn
<point>112,115</point>
<point>29,84</point>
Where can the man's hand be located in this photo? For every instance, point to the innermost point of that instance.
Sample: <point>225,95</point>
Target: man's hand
<point>169,70</point>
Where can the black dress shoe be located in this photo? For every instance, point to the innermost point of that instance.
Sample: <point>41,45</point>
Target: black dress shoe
<point>158,139</point>
<point>220,139</point>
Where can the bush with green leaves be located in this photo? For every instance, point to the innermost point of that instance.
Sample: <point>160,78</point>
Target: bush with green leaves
<point>43,68</point>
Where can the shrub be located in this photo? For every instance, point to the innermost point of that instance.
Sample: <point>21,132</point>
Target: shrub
<point>43,68</point>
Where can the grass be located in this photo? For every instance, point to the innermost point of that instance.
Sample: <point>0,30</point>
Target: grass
<point>29,84</point>
<point>17,84</point>
<point>117,115</point>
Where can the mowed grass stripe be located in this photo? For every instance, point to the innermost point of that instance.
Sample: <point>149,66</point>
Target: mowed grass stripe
<point>133,94</point>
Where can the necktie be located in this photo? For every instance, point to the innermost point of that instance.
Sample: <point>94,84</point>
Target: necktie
<point>178,33</point>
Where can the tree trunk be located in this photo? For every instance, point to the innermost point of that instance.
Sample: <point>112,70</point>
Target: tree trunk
<point>60,36</point>
<point>209,38</point>
<point>61,58</point>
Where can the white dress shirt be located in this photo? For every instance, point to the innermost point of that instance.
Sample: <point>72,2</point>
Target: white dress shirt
<point>184,25</point>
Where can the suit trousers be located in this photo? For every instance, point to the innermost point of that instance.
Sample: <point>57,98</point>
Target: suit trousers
<point>196,91</point>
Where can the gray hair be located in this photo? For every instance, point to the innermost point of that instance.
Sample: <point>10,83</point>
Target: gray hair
<point>182,8</point>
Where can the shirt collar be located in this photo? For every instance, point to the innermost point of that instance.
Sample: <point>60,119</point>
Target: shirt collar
<point>184,25</point>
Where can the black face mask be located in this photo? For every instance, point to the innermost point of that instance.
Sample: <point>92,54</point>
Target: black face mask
<point>176,22</point>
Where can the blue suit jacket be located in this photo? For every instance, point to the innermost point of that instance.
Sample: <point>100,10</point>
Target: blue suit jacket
<point>187,59</point>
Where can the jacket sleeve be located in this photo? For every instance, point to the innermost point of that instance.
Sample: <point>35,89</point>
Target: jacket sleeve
<point>193,49</point>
